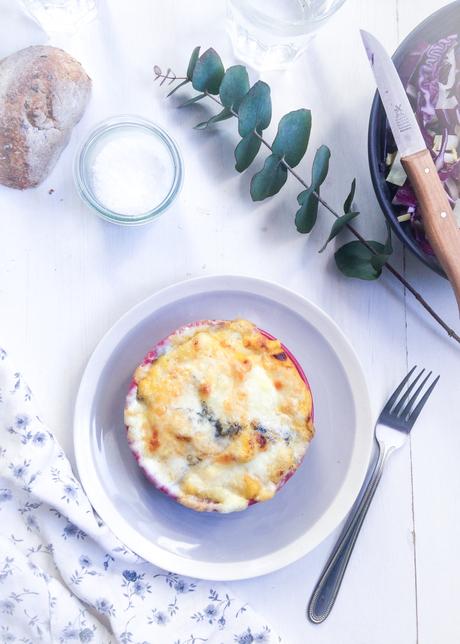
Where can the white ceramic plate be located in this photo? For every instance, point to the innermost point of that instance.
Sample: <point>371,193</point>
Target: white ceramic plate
<point>266,536</point>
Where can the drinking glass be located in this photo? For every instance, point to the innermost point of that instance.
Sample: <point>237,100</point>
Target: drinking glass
<point>61,15</point>
<point>270,34</point>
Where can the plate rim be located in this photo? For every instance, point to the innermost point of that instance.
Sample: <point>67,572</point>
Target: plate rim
<point>341,503</point>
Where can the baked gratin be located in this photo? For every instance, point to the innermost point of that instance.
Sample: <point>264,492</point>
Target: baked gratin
<point>219,415</point>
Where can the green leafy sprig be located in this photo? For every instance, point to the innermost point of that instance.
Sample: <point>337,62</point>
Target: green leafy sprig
<point>251,106</point>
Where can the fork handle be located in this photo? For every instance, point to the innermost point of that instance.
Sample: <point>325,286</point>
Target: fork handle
<point>327,588</point>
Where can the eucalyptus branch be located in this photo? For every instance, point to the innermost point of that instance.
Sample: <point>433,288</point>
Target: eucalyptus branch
<point>358,235</point>
<point>316,193</point>
<point>252,109</point>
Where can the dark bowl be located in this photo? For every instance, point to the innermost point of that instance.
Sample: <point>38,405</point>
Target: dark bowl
<point>439,24</point>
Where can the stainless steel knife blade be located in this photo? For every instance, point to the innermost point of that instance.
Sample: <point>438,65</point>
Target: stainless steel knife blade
<point>403,123</point>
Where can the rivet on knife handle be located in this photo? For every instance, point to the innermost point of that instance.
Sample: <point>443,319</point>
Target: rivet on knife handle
<point>437,216</point>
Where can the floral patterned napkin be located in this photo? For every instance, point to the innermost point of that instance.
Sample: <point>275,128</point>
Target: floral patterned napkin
<point>64,577</point>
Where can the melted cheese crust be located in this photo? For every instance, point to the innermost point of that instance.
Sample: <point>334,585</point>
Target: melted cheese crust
<point>218,416</point>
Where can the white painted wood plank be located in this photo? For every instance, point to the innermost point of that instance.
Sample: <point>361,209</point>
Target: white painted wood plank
<point>435,440</point>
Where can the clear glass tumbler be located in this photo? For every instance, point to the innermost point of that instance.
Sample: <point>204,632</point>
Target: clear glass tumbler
<point>270,34</point>
<point>61,15</point>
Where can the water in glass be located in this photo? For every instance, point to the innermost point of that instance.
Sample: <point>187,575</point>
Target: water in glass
<point>269,34</point>
<point>61,15</point>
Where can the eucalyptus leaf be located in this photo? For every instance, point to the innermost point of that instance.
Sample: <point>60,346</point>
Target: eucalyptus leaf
<point>192,62</point>
<point>268,181</point>
<point>305,217</point>
<point>192,100</point>
<point>307,214</point>
<point>255,110</point>
<point>349,200</point>
<point>355,260</point>
<point>378,261</point>
<point>184,82</point>
<point>338,225</point>
<point>246,151</point>
<point>234,86</point>
<point>208,72</point>
<point>292,138</point>
<point>320,166</point>
<point>222,116</point>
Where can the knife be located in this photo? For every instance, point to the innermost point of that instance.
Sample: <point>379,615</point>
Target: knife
<point>437,216</point>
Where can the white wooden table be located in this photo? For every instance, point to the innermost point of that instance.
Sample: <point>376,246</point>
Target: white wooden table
<point>66,276</point>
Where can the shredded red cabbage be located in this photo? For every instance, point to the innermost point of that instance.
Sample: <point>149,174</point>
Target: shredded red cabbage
<point>429,77</point>
<point>431,74</point>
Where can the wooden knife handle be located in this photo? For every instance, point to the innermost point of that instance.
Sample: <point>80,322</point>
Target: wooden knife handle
<point>438,219</point>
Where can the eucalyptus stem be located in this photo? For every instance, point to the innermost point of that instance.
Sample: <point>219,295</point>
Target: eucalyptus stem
<point>358,235</point>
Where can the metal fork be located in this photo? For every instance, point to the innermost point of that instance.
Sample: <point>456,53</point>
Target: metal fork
<point>391,431</point>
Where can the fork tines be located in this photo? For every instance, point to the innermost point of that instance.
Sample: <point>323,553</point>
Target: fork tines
<point>404,408</point>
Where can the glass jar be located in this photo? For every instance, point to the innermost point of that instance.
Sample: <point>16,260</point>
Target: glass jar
<point>128,170</point>
<point>61,15</point>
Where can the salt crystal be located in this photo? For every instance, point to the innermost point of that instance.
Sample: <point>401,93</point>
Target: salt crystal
<point>131,171</point>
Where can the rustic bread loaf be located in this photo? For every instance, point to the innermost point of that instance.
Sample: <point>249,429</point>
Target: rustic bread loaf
<point>43,93</point>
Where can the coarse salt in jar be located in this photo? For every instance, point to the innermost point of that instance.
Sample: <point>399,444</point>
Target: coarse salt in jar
<point>128,170</point>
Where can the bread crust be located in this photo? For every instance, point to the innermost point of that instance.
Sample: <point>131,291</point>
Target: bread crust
<point>43,94</point>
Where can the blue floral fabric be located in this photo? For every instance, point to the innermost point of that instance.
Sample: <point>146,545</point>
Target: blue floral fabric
<point>64,577</point>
